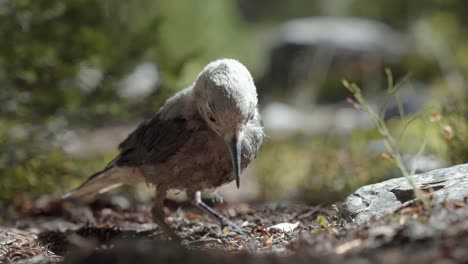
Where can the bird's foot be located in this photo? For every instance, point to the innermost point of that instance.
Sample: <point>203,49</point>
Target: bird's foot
<point>222,219</point>
<point>216,198</point>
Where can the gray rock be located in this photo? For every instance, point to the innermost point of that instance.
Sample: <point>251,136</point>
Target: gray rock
<point>375,200</point>
<point>285,120</point>
<point>308,57</point>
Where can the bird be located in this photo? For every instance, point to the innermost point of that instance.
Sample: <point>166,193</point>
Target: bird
<point>200,139</point>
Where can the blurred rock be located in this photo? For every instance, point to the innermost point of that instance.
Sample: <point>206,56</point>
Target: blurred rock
<point>375,200</point>
<point>88,78</point>
<point>141,82</point>
<point>423,163</point>
<point>345,33</point>
<point>418,164</point>
<point>342,118</point>
<point>310,57</point>
<point>412,95</point>
<point>285,120</point>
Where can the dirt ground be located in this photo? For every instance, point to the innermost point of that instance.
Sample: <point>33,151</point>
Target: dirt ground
<point>117,229</point>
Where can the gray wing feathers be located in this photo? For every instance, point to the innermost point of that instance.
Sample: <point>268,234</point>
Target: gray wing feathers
<point>153,141</point>
<point>106,180</point>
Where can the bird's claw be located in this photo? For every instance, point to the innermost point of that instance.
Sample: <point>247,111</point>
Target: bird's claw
<point>217,198</point>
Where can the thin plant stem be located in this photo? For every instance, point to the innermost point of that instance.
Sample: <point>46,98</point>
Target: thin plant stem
<point>390,144</point>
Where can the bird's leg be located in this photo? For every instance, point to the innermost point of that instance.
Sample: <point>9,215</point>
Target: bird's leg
<point>224,221</point>
<point>157,211</point>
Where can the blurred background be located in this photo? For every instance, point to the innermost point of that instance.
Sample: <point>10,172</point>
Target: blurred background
<point>77,76</point>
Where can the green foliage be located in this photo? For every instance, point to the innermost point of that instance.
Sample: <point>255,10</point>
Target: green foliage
<point>456,119</point>
<point>326,168</point>
<point>47,43</point>
<point>213,31</point>
<point>318,169</point>
<point>392,143</point>
<point>29,164</point>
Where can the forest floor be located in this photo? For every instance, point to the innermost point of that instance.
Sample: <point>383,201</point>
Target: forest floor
<point>115,229</point>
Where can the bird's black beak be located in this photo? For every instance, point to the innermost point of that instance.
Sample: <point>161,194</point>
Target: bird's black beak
<point>234,143</point>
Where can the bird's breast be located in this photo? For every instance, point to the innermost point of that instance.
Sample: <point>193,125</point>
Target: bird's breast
<point>202,162</point>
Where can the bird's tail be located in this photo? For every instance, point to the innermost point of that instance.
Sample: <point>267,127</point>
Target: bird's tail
<point>106,180</point>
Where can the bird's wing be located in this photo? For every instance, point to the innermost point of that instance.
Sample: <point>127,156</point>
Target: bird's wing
<point>153,141</point>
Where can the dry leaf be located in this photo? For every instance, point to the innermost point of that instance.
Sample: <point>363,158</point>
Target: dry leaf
<point>192,216</point>
<point>335,208</point>
<point>448,132</point>
<point>436,117</point>
<point>427,194</point>
<point>347,246</point>
<point>385,156</point>
<point>412,210</point>
<point>285,227</point>
<point>267,241</point>
<point>226,230</point>
<point>352,102</point>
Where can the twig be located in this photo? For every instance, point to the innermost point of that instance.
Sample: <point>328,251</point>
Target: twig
<point>390,143</point>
